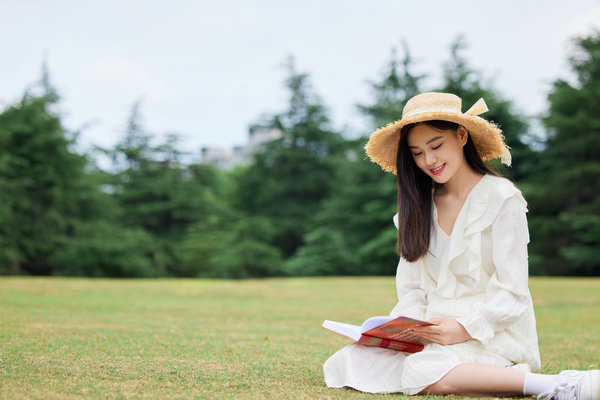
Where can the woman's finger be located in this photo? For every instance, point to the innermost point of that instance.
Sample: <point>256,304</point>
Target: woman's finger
<point>427,329</point>
<point>425,335</point>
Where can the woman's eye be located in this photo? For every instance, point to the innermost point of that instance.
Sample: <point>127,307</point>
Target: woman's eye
<point>437,147</point>
<point>417,154</point>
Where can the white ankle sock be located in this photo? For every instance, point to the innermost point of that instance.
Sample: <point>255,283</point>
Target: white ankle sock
<point>537,383</point>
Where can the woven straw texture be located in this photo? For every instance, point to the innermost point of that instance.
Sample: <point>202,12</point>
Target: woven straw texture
<point>487,137</point>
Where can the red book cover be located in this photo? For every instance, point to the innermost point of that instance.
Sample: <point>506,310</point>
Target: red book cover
<point>387,332</point>
<point>390,344</point>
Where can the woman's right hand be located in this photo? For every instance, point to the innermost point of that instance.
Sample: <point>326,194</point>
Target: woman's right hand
<point>445,331</point>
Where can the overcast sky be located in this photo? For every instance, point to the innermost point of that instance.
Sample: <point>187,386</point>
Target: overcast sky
<point>208,69</point>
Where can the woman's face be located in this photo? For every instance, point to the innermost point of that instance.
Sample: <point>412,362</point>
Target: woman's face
<point>437,152</point>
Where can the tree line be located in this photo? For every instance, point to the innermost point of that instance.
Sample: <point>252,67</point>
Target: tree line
<point>308,203</point>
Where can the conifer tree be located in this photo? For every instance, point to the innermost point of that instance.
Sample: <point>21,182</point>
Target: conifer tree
<point>155,191</point>
<point>566,200</point>
<point>354,233</point>
<point>43,186</point>
<point>397,85</point>
<point>461,80</point>
<point>290,176</point>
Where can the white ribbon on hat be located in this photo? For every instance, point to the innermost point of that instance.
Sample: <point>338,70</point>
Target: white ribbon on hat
<point>426,110</point>
<point>479,108</point>
<point>505,157</point>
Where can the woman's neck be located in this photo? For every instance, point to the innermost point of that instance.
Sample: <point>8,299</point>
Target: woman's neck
<point>461,184</point>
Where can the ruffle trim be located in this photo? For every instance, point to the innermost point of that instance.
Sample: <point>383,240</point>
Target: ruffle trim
<point>479,212</point>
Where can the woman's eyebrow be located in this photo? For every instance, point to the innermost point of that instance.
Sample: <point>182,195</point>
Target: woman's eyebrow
<point>429,141</point>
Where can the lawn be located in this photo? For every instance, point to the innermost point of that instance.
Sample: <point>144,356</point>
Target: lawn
<point>64,338</point>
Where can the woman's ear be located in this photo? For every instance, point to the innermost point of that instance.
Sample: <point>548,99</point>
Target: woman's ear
<point>462,134</point>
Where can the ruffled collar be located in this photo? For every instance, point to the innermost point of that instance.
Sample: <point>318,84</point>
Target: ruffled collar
<point>481,207</point>
<point>464,207</point>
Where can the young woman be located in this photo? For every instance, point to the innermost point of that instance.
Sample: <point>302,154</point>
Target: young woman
<point>462,240</point>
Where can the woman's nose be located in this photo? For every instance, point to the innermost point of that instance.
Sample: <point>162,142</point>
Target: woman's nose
<point>430,158</point>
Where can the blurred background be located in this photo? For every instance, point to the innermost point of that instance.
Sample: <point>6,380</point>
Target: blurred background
<point>225,139</point>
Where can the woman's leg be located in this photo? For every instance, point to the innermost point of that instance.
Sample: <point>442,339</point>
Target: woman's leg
<point>479,380</point>
<point>483,379</point>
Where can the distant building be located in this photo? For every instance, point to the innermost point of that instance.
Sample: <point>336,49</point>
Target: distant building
<point>227,158</point>
<point>222,157</point>
<point>258,136</point>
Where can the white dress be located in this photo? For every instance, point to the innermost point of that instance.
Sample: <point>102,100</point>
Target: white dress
<point>477,275</point>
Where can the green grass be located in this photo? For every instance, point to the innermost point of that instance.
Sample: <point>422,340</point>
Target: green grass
<point>112,339</point>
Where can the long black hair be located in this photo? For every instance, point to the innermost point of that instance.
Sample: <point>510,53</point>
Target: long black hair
<point>415,192</point>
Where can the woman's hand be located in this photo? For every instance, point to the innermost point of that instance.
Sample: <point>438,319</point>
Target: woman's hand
<point>445,331</point>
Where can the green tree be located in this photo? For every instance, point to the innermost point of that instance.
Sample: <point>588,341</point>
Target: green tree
<point>245,251</point>
<point>156,192</point>
<point>42,180</point>
<point>354,234</point>
<point>566,196</point>
<point>54,216</point>
<point>390,94</point>
<point>102,248</point>
<point>210,234</point>
<point>10,257</point>
<point>325,253</point>
<point>468,84</point>
<point>372,190</point>
<point>291,176</point>
<point>99,245</point>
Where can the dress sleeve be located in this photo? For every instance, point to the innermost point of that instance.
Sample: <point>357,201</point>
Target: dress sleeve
<point>507,295</point>
<point>412,299</point>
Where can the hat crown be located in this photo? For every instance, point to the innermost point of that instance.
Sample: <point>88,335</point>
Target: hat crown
<point>428,102</point>
<point>487,137</point>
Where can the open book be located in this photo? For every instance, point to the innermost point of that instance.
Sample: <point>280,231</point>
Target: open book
<point>388,332</point>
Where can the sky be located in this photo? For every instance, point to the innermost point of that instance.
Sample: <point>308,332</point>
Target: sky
<point>206,70</point>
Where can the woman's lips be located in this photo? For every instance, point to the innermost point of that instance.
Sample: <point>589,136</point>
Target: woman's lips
<point>438,170</point>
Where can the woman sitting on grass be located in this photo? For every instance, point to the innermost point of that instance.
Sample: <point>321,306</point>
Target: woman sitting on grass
<point>462,238</point>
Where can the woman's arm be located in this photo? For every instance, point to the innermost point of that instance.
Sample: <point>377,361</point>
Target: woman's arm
<point>412,299</point>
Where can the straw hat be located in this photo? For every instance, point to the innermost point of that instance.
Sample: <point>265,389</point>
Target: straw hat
<point>487,137</point>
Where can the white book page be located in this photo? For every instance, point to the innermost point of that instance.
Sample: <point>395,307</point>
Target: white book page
<point>374,321</point>
<point>350,331</point>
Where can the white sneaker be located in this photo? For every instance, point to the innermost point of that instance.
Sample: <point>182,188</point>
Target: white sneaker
<point>575,385</point>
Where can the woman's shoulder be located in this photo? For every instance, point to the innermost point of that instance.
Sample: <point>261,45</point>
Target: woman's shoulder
<point>498,188</point>
<point>499,180</point>
<point>493,194</point>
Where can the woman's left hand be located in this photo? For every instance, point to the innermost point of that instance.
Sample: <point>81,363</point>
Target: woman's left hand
<point>445,331</point>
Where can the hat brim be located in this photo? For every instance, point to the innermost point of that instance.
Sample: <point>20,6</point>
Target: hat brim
<point>487,137</point>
